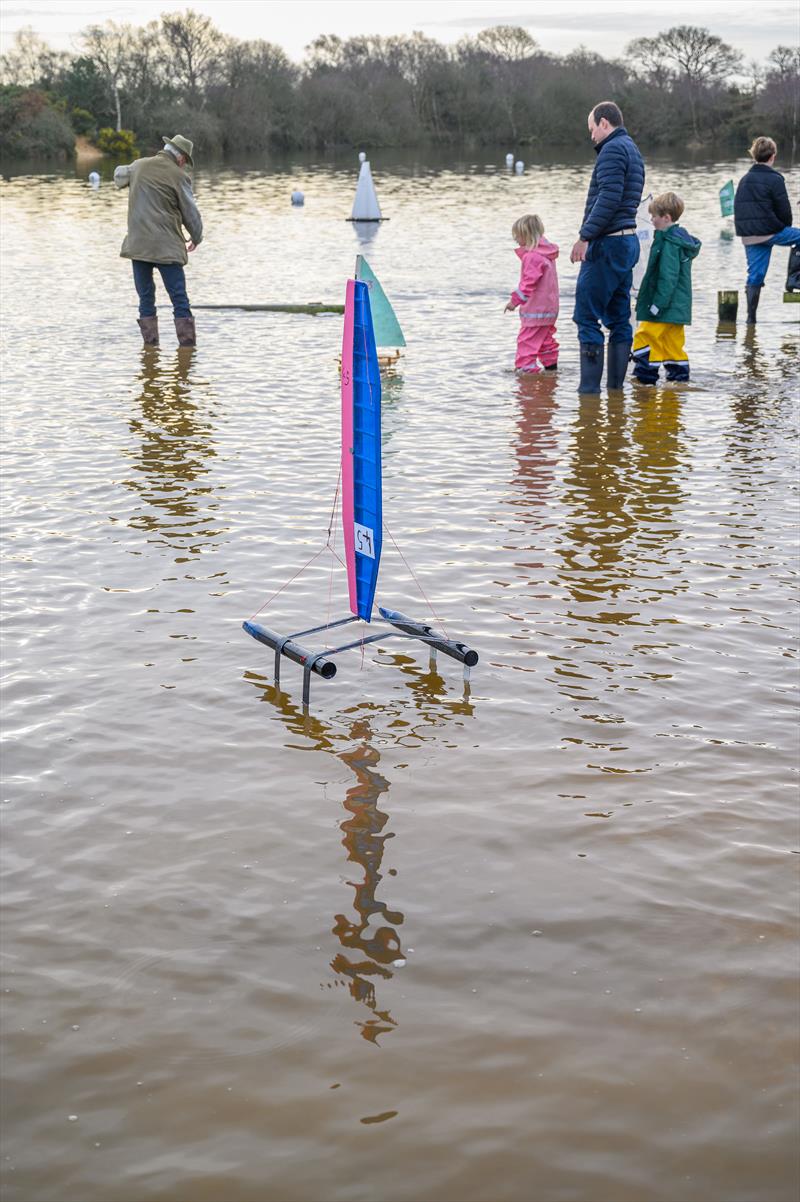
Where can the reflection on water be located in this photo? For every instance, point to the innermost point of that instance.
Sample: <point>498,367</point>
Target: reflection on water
<point>174,442</point>
<point>596,490</point>
<point>536,446</point>
<point>368,949</point>
<point>659,465</point>
<point>627,461</point>
<point>592,857</point>
<point>369,938</point>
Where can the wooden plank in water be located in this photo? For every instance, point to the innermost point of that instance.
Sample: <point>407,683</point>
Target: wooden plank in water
<point>312,309</point>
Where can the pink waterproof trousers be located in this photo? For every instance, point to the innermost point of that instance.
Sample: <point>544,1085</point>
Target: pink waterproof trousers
<point>535,343</point>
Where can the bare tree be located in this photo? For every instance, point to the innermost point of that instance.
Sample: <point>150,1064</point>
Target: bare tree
<point>506,53</point>
<point>30,60</point>
<point>197,49</point>
<point>779,100</point>
<point>699,56</point>
<point>416,59</point>
<point>508,43</point>
<point>109,46</point>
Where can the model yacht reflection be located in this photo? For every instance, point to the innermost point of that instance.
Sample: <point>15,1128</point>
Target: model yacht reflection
<point>370,939</point>
<point>370,946</point>
<point>174,444</point>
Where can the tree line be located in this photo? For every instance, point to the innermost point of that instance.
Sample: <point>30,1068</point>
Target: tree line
<point>129,84</point>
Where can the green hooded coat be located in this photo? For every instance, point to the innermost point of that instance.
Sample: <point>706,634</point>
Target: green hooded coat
<point>667,283</point>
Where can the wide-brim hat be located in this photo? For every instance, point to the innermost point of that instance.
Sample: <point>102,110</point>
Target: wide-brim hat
<point>183,145</point>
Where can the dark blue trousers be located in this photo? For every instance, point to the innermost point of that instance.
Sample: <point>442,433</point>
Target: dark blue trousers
<point>174,279</point>
<point>603,293</point>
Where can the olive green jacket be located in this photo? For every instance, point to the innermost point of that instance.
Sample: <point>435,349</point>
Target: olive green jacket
<point>160,202</point>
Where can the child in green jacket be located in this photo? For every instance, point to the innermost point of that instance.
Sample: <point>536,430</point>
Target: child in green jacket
<point>664,304</point>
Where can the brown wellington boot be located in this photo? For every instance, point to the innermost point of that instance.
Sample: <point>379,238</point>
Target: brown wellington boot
<point>149,328</point>
<point>184,328</point>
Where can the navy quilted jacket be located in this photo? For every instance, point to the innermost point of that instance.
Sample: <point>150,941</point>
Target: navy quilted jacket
<point>761,205</point>
<point>616,187</point>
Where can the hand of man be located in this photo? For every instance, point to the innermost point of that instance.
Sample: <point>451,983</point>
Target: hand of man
<point>190,246</point>
<point>509,308</point>
<point>578,252</point>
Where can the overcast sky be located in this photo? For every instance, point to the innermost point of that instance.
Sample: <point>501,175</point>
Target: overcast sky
<point>752,26</point>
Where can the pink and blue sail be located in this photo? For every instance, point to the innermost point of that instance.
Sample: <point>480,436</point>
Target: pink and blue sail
<point>362,514</point>
<point>362,503</point>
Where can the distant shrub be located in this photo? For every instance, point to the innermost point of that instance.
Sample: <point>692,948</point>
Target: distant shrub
<point>30,127</point>
<point>201,127</point>
<point>121,143</point>
<point>83,122</point>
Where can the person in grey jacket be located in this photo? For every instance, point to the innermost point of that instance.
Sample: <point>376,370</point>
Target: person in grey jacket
<point>160,205</point>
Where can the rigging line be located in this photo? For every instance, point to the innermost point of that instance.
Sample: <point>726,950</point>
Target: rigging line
<point>335,503</point>
<point>416,580</point>
<point>326,547</point>
<point>332,548</point>
<point>299,572</point>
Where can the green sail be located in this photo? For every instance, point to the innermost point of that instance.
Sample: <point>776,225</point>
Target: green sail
<point>384,321</point>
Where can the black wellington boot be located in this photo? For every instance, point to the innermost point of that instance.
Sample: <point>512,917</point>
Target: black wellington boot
<point>753,293</point>
<point>591,368</point>
<point>619,354</point>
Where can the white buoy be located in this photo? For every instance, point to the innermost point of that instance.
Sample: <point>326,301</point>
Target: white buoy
<point>365,205</point>
<point>362,158</point>
<point>298,198</point>
<point>94,179</point>
<point>509,160</point>
<point>519,166</point>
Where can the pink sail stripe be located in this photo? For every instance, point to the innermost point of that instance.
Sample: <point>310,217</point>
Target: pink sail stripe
<point>347,445</point>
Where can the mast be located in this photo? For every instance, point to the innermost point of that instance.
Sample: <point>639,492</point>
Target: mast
<point>362,502</point>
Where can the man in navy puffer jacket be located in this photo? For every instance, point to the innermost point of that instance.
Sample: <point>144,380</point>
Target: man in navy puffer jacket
<point>608,249</point>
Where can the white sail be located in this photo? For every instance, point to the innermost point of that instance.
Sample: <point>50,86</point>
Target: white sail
<point>365,205</point>
<point>644,232</point>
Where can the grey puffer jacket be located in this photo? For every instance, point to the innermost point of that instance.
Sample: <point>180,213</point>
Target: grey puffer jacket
<point>160,203</point>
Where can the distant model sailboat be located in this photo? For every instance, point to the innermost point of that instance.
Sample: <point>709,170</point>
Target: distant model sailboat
<point>365,204</point>
<point>362,511</point>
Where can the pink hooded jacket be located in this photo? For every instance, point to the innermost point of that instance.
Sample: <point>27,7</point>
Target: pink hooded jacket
<point>536,295</point>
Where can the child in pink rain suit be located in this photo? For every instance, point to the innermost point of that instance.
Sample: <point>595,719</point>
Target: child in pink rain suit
<point>536,296</point>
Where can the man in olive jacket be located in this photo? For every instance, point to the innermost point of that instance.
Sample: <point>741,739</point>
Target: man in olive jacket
<point>160,204</point>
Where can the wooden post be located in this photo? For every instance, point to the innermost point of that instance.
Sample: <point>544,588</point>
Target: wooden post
<point>727,305</point>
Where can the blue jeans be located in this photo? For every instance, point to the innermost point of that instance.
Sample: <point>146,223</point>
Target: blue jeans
<point>758,255</point>
<point>603,293</point>
<point>174,281</point>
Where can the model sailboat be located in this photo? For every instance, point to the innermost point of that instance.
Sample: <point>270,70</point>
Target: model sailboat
<point>362,511</point>
<point>365,203</point>
<point>388,335</point>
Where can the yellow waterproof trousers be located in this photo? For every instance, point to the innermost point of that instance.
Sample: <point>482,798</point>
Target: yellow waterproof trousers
<point>657,344</point>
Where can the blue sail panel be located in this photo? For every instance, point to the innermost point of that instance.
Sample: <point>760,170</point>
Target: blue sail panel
<point>367,507</point>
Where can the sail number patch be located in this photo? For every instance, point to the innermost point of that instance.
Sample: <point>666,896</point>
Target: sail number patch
<point>365,540</point>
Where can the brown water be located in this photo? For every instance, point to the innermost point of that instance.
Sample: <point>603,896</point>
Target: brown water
<point>532,941</point>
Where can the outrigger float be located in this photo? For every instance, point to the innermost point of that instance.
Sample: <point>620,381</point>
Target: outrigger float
<point>362,514</point>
